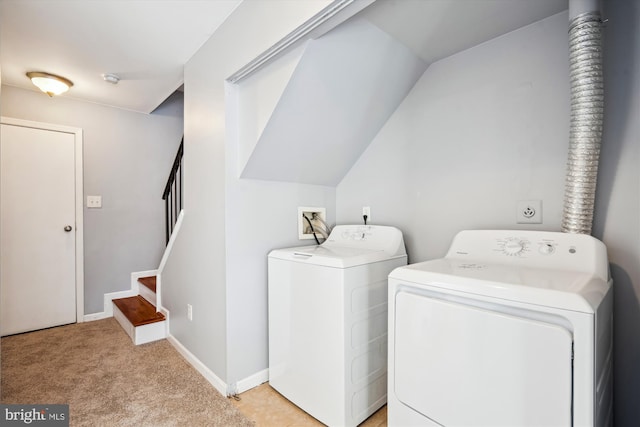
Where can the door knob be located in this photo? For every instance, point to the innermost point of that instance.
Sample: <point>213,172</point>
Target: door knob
<point>67,228</point>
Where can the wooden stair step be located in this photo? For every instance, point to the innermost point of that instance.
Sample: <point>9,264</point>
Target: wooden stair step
<point>138,310</point>
<point>149,282</point>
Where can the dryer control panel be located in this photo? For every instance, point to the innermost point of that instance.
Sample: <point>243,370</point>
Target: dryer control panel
<point>539,249</point>
<point>518,246</point>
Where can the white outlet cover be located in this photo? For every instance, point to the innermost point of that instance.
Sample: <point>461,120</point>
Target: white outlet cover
<point>529,212</point>
<point>366,210</point>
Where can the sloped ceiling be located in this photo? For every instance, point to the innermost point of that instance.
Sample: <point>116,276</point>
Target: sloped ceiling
<point>435,29</point>
<point>349,81</point>
<point>343,90</point>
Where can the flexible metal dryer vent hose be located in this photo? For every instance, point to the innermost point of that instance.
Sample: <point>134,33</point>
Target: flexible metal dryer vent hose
<point>585,133</point>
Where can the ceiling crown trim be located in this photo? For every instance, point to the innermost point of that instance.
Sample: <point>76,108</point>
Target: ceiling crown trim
<point>290,39</point>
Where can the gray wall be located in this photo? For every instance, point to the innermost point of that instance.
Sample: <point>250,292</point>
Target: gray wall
<point>489,126</point>
<point>480,130</point>
<point>218,263</point>
<point>617,216</point>
<point>127,157</point>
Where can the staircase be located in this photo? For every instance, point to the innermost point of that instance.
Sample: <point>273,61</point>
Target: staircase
<point>138,316</point>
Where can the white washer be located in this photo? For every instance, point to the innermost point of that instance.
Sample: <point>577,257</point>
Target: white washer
<point>328,322</point>
<point>510,328</point>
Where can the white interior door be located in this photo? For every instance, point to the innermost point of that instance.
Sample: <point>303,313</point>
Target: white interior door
<point>466,366</point>
<point>37,229</point>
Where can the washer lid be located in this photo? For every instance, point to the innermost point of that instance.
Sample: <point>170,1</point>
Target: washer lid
<point>570,290</point>
<point>334,256</point>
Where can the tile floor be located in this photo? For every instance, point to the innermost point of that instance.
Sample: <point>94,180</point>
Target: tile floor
<point>268,408</point>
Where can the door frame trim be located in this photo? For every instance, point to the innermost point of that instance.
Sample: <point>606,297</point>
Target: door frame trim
<point>79,197</point>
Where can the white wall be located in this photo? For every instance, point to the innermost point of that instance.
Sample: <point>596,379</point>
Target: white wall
<point>127,158</point>
<point>480,130</point>
<point>209,266</point>
<point>489,126</point>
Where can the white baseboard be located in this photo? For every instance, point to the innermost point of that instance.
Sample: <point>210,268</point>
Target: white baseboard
<point>224,389</point>
<point>108,305</point>
<point>252,381</point>
<point>108,300</point>
<point>207,373</point>
<point>95,316</point>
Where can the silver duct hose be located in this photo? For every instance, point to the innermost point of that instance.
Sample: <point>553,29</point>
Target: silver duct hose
<point>585,133</point>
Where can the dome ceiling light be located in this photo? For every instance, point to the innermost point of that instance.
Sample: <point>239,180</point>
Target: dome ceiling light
<point>49,83</point>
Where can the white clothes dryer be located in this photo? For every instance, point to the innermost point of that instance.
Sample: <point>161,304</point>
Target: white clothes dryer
<point>328,322</point>
<point>510,328</point>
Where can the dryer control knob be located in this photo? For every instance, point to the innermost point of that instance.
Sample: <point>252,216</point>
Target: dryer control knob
<point>514,247</point>
<point>546,248</point>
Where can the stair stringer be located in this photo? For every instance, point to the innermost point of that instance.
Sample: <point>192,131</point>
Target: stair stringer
<point>163,263</point>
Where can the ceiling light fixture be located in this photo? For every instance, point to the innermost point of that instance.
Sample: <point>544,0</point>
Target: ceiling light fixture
<point>111,78</point>
<point>49,83</point>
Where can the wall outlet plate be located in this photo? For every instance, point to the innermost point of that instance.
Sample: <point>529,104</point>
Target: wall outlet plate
<point>304,231</point>
<point>94,202</point>
<point>366,210</point>
<point>529,212</point>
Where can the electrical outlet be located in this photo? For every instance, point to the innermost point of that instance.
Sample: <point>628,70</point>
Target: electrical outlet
<point>529,212</point>
<point>190,312</point>
<point>304,229</point>
<point>366,210</point>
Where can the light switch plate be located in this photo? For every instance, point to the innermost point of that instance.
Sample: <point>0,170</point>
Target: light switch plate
<point>94,202</point>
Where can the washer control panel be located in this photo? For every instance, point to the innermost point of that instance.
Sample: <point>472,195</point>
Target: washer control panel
<point>356,233</point>
<point>541,249</point>
<point>374,237</point>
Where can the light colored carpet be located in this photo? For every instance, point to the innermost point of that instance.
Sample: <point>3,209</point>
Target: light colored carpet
<point>107,381</point>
